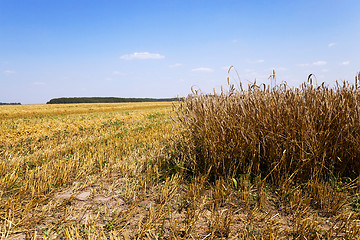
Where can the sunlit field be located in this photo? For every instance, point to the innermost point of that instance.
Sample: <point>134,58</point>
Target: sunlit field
<point>67,170</point>
<point>249,163</point>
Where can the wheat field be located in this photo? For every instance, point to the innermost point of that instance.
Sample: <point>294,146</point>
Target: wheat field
<point>208,167</point>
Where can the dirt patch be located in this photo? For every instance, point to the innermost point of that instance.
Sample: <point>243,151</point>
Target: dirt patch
<point>87,206</point>
<point>83,196</point>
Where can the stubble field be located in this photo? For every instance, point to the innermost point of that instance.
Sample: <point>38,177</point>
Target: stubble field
<point>197,169</point>
<point>70,170</point>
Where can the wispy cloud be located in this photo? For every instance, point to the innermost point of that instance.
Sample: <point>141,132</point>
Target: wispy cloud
<point>256,61</point>
<point>277,69</point>
<point>202,69</point>
<point>9,72</point>
<point>302,64</point>
<point>142,55</point>
<point>38,83</point>
<point>176,65</point>
<point>250,73</point>
<point>319,63</point>
<point>331,44</point>
<point>117,73</point>
<point>345,63</point>
<point>249,70</point>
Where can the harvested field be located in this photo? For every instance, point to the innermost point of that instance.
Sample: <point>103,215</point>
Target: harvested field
<point>152,171</point>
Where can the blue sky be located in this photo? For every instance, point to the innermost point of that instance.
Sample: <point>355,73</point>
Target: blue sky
<point>74,48</point>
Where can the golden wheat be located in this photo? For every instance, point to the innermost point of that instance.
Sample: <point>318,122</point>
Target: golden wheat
<point>126,171</point>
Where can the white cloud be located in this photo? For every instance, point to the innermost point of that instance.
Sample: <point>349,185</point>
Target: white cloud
<point>345,63</point>
<point>248,73</point>
<point>248,70</point>
<point>38,83</point>
<point>256,61</point>
<point>303,64</point>
<point>142,55</point>
<point>319,63</point>
<point>331,44</point>
<point>278,69</point>
<point>9,72</point>
<point>202,69</point>
<point>117,73</point>
<point>252,74</point>
<point>176,65</point>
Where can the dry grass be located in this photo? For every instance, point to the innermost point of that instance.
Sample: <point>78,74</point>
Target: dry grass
<point>277,163</point>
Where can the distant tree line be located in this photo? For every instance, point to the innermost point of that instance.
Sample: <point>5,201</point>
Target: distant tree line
<point>10,103</point>
<point>107,100</point>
